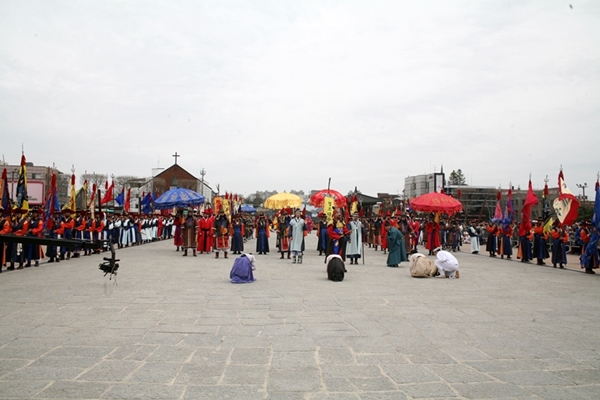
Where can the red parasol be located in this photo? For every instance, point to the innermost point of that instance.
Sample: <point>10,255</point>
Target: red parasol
<point>338,199</point>
<point>436,202</point>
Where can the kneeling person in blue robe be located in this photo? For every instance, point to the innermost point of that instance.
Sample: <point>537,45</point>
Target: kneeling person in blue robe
<point>241,272</point>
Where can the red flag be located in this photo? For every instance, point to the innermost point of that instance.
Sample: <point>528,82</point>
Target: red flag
<point>530,201</point>
<point>126,206</point>
<point>566,205</point>
<point>94,189</point>
<point>108,195</point>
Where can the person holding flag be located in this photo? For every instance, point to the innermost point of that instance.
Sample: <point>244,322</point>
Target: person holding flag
<point>589,256</point>
<point>559,247</point>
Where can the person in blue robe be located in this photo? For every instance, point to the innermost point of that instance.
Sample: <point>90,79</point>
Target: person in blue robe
<point>242,270</point>
<point>262,234</point>
<point>396,246</point>
<point>237,239</point>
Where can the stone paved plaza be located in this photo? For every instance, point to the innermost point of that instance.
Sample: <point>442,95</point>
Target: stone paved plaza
<point>175,328</point>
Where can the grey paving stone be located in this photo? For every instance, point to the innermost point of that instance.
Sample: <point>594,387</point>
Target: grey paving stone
<point>335,356</point>
<point>555,393</point>
<point>587,391</point>
<point>382,396</point>
<point>211,355</point>
<point>245,375</point>
<point>132,352</point>
<point>224,392</point>
<point>351,371</point>
<point>110,371</point>
<point>529,378</point>
<point>8,366</point>
<point>65,362</point>
<point>156,372</point>
<point>458,373</point>
<point>293,343</point>
<point>580,377</point>
<point>481,390</point>
<point>294,360</point>
<point>381,358</point>
<point>45,373</point>
<point>379,384</point>
<point>144,391</point>
<point>339,384</point>
<point>409,373</point>
<point>251,356</point>
<point>201,340</point>
<point>21,389</point>
<point>427,390</point>
<point>74,390</point>
<point>499,365</point>
<point>200,374</point>
<point>31,353</point>
<point>293,380</point>
<point>171,354</point>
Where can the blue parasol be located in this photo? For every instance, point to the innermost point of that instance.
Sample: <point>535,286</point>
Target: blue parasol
<point>247,208</point>
<point>179,197</point>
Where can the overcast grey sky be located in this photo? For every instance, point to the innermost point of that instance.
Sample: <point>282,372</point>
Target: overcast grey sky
<point>282,95</point>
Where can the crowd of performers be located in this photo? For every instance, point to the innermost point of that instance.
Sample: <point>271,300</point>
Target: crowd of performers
<point>120,230</point>
<point>397,234</point>
<point>534,244</point>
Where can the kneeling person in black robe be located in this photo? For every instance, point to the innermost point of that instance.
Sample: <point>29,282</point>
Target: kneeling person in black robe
<point>335,268</point>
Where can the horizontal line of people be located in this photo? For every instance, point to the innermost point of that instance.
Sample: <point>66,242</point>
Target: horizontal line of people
<point>122,230</point>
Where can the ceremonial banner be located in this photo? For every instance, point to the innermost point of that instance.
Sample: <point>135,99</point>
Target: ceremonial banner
<point>71,203</point>
<point>4,195</point>
<point>218,204</point>
<point>328,208</point>
<point>566,205</point>
<point>22,202</point>
<point>354,204</point>
<point>81,197</point>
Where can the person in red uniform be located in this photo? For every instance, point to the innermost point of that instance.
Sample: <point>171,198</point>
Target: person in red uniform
<point>177,238</point>
<point>505,245</point>
<point>5,229</point>
<point>416,231</point>
<point>20,227</point>
<point>337,232</point>
<point>36,227</point>
<point>492,240</point>
<point>433,235</point>
<point>205,236</point>
<point>68,224</point>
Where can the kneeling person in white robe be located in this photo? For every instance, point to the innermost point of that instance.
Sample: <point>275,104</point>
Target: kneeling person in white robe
<point>420,266</point>
<point>446,264</point>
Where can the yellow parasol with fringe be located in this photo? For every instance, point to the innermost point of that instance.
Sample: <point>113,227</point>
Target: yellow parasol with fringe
<point>282,200</point>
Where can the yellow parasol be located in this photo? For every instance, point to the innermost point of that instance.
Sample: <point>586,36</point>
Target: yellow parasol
<point>282,200</point>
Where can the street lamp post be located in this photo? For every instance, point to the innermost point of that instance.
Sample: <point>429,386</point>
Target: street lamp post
<point>582,187</point>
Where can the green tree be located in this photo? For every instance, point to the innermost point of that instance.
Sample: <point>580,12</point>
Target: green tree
<point>257,201</point>
<point>457,178</point>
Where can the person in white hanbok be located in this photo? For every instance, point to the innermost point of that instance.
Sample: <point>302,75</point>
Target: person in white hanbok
<point>354,244</point>
<point>446,264</point>
<point>297,229</point>
<point>473,232</point>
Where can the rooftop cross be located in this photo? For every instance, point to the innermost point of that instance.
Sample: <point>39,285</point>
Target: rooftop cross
<point>176,155</point>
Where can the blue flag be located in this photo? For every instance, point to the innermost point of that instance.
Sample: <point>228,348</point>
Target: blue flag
<point>120,199</point>
<point>591,250</point>
<point>147,204</point>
